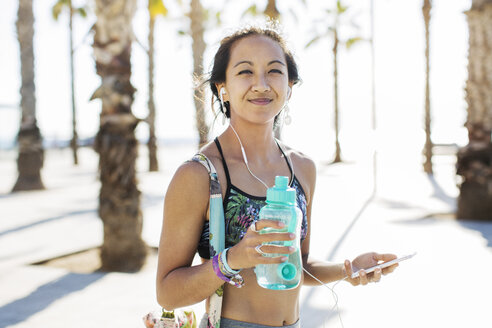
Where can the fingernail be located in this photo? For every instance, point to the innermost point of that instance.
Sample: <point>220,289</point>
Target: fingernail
<point>281,224</point>
<point>292,235</point>
<point>284,259</point>
<point>292,248</point>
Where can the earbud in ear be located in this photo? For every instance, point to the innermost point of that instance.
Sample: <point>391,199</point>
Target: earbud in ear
<point>289,91</point>
<point>221,95</point>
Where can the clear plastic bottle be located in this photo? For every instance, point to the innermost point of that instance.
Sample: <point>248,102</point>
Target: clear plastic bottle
<point>281,206</point>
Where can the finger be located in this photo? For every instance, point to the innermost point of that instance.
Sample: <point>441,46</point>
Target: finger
<point>265,223</point>
<point>271,260</point>
<point>377,275</point>
<point>349,271</point>
<point>277,236</point>
<point>384,257</point>
<point>276,249</point>
<point>390,269</point>
<point>348,268</point>
<point>363,277</point>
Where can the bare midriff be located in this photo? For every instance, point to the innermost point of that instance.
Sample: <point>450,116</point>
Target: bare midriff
<point>258,304</point>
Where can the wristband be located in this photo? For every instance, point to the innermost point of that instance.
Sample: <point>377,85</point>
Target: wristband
<point>236,280</point>
<point>225,266</point>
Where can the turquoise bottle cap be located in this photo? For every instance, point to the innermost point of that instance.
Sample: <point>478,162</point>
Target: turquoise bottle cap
<point>287,271</point>
<point>281,192</point>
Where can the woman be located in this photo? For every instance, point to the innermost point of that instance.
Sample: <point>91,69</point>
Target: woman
<point>252,77</point>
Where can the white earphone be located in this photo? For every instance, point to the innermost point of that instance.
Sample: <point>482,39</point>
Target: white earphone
<point>221,95</point>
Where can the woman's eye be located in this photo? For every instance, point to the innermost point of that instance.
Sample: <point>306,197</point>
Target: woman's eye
<point>246,71</point>
<point>276,71</point>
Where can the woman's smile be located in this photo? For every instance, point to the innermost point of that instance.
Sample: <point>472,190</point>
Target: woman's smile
<point>260,101</point>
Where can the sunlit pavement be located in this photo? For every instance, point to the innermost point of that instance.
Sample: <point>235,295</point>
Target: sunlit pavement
<point>445,285</point>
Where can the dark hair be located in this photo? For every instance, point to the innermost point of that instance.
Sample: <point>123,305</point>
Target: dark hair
<point>221,59</point>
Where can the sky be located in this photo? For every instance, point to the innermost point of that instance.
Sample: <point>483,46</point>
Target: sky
<point>399,74</point>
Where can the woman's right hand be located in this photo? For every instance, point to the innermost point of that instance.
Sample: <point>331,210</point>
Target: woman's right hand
<point>248,252</point>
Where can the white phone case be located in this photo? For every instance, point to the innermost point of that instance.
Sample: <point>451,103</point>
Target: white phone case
<point>384,265</point>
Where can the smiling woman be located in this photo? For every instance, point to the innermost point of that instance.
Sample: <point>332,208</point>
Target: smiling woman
<point>252,78</point>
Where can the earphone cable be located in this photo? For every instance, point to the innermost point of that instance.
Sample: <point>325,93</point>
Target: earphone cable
<point>246,158</point>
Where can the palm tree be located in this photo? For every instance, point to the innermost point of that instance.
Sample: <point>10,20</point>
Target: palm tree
<point>474,163</point>
<point>123,248</point>
<point>271,10</point>
<point>332,31</point>
<point>156,8</point>
<point>197,17</point>
<point>426,11</point>
<point>31,152</point>
<point>57,9</point>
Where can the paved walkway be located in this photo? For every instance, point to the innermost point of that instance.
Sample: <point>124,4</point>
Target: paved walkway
<point>446,285</point>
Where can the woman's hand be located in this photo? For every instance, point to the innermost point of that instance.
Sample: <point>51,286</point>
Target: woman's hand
<point>365,261</point>
<point>248,252</point>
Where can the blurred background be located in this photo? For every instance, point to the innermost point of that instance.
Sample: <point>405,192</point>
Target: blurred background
<point>99,107</point>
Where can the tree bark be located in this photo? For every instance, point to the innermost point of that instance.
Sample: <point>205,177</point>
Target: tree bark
<point>338,151</point>
<point>123,248</point>
<point>74,141</point>
<point>271,10</point>
<point>474,163</point>
<point>152,143</point>
<point>31,153</point>
<point>198,47</point>
<point>426,9</point>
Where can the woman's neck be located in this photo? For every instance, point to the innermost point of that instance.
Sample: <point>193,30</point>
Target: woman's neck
<point>258,141</point>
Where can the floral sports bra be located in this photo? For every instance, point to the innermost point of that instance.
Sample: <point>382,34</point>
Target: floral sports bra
<point>241,209</point>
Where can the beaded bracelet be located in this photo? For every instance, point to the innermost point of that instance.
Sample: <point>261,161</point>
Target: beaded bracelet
<point>224,266</point>
<point>235,280</point>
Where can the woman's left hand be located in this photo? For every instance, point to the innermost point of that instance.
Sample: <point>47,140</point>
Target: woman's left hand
<point>365,261</point>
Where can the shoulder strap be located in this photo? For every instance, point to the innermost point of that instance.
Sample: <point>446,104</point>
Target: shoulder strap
<point>226,169</point>
<point>288,160</point>
<point>216,234</point>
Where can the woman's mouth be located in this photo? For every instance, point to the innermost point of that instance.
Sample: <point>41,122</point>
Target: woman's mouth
<point>260,101</point>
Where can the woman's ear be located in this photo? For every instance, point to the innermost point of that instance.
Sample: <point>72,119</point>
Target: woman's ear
<point>221,91</point>
<point>289,92</point>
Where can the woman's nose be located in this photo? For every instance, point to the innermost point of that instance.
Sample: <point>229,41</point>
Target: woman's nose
<point>261,84</point>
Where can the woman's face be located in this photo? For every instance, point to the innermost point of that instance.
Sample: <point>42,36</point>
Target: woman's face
<point>257,82</point>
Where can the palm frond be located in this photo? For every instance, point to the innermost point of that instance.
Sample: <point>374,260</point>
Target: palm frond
<point>313,41</point>
<point>350,42</point>
<point>341,8</point>
<point>82,12</point>
<point>156,8</point>
<point>253,10</point>
<point>57,9</point>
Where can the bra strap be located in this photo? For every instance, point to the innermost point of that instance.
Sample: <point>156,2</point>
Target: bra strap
<point>289,163</point>
<point>226,169</point>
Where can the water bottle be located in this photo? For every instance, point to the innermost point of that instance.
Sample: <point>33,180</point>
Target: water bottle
<point>281,206</point>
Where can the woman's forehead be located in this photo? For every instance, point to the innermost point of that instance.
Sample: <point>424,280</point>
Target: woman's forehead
<point>256,47</point>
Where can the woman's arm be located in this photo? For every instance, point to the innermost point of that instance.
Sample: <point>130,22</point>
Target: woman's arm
<point>324,271</point>
<point>329,272</point>
<point>185,210</point>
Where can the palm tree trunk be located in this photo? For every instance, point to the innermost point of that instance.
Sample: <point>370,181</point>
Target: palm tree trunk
<point>74,141</point>
<point>428,142</point>
<point>474,163</point>
<point>152,143</point>
<point>198,47</point>
<point>31,152</point>
<point>123,248</point>
<point>338,156</point>
<point>271,10</point>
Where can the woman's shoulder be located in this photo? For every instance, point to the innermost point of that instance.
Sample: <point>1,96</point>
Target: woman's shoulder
<point>300,160</point>
<point>304,170</point>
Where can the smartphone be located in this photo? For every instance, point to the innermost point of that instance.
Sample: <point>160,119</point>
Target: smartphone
<point>384,264</point>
